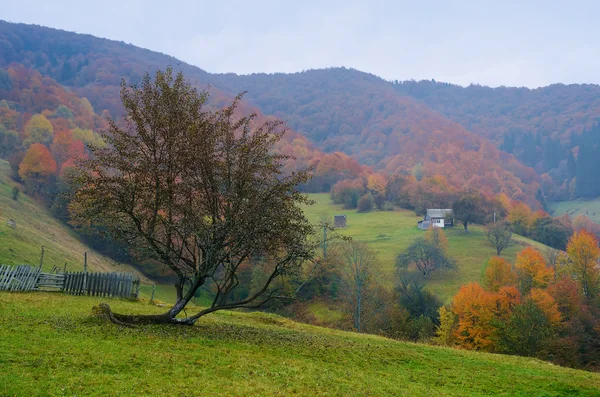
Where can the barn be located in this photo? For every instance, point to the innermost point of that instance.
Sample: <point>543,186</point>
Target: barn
<point>339,220</point>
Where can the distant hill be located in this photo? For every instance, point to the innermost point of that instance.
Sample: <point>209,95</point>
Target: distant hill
<point>480,137</point>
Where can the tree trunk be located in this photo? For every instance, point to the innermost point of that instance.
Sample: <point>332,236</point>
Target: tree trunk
<point>169,317</point>
<point>131,320</point>
<point>466,225</point>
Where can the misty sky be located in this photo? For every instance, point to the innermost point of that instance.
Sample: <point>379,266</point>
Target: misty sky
<point>518,43</point>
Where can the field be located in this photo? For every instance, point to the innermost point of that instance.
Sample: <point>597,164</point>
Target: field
<point>51,345</point>
<point>589,208</point>
<point>389,232</point>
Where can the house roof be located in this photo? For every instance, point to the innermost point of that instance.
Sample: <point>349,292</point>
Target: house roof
<point>438,213</point>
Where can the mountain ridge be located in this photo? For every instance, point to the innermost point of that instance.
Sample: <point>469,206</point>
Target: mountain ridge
<point>391,127</point>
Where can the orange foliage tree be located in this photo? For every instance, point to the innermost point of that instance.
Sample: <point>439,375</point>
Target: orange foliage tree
<point>547,305</point>
<point>37,166</point>
<point>474,308</point>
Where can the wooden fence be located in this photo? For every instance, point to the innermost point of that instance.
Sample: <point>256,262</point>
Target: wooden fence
<point>122,285</point>
<point>29,278</point>
<point>18,278</point>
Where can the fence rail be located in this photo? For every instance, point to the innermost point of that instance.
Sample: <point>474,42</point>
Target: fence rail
<point>29,278</point>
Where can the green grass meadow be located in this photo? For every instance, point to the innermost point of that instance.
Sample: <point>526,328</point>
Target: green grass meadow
<point>51,345</point>
<point>589,208</point>
<point>390,232</point>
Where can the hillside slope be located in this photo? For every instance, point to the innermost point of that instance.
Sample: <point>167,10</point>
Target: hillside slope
<point>36,227</point>
<point>66,352</point>
<point>362,115</point>
<point>338,109</point>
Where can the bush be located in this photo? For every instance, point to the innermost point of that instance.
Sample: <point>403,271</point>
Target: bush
<point>379,201</point>
<point>365,204</point>
<point>351,199</point>
<point>15,193</point>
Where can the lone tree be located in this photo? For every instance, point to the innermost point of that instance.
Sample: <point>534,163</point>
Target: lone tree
<point>498,236</point>
<point>470,208</point>
<point>425,256</point>
<point>359,287</point>
<point>198,190</point>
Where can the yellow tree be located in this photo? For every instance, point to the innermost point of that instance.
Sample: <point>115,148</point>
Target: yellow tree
<point>532,271</point>
<point>377,183</point>
<point>582,264</point>
<point>498,274</point>
<point>38,130</point>
<point>520,218</point>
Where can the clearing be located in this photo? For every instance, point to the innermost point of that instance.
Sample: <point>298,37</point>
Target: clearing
<point>390,232</point>
<point>589,208</point>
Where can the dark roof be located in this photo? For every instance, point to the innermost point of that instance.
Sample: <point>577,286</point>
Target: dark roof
<point>438,213</point>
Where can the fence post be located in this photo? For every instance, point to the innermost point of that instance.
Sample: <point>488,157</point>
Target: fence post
<point>84,271</point>
<point>42,258</point>
<point>152,297</point>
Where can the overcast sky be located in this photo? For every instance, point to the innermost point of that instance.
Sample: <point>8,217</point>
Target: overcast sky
<point>517,43</point>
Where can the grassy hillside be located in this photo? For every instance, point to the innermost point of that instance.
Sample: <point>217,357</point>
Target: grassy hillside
<point>50,345</point>
<point>36,228</point>
<point>589,208</point>
<point>391,232</point>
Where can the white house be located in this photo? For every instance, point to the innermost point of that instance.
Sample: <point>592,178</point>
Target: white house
<point>436,218</point>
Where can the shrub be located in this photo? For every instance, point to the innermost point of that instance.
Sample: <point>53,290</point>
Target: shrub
<point>365,204</point>
<point>15,193</point>
<point>379,201</point>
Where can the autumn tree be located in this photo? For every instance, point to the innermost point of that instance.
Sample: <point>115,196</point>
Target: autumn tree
<point>498,274</point>
<point>498,236</point>
<point>436,236</point>
<point>444,333</point>
<point>377,184</point>
<point>425,256</point>
<point>37,166</point>
<point>64,147</point>
<point>470,208</point>
<point>38,130</point>
<point>197,190</point>
<point>531,325</point>
<point>520,218</point>
<point>474,309</point>
<point>358,289</point>
<point>532,270</point>
<point>582,264</point>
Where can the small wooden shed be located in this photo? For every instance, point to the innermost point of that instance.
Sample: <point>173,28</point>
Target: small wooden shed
<point>339,220</point>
